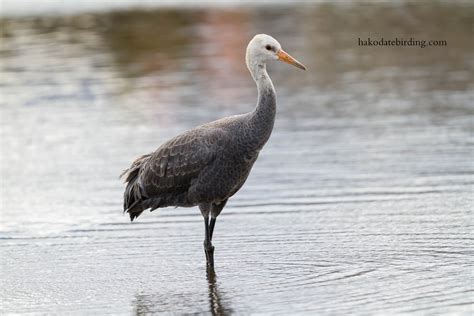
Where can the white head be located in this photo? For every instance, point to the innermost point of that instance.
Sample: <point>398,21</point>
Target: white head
<point>263,48</point>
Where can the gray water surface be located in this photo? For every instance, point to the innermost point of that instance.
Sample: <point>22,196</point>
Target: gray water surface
<point>360,203</point>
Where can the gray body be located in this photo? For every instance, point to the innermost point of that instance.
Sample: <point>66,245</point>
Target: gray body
<point>205,165</point>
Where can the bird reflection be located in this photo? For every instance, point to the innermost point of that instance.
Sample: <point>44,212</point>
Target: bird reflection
<point>215,302</point>
<point>182,303</point>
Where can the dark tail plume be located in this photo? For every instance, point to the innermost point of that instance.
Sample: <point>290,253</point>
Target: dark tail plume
<point>132,197</point>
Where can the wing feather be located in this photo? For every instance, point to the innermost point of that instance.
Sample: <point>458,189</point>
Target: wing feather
<point>173,167</point>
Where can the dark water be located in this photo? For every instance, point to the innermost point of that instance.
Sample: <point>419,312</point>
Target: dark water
<point>360,203</point>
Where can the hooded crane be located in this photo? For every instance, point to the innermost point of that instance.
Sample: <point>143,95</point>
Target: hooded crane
<point>208,164</point>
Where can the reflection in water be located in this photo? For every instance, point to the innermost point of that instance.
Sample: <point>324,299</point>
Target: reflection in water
<point>144,42</point>
<point>216,304</point>
<point>184,302</point>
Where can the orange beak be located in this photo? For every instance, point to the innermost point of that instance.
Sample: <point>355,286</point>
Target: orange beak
<point>283,56</point>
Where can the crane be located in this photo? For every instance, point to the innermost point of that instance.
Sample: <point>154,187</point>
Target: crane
<point>208,164</point>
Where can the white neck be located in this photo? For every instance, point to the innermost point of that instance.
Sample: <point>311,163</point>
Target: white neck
<point>260,76</point>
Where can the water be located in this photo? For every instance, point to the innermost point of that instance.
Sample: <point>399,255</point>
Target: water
<point>360,203</point>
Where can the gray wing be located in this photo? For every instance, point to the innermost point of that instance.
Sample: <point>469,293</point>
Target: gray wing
<point>174,166</point>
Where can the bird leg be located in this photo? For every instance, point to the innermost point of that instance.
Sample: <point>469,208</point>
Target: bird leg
<point>215,211</point>
<point>208,247</point>
<point>211,227</point>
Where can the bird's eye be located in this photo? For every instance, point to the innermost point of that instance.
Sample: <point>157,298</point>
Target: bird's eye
<point>268,47</point>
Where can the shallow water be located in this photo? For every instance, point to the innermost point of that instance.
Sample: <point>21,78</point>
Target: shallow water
<point>361,202</point>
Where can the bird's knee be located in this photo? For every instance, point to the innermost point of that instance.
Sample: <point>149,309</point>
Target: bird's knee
<point>208,245</point>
